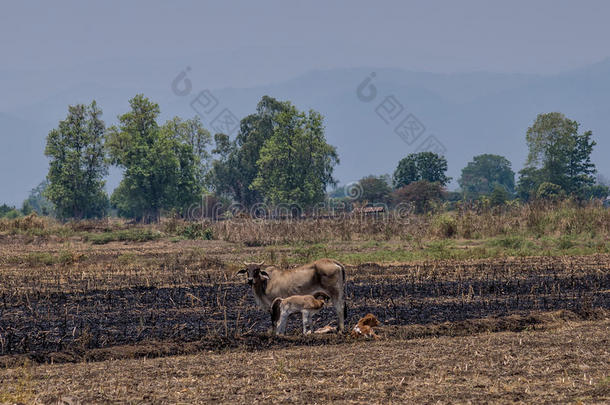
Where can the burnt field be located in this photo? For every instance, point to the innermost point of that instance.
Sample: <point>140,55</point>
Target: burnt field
<point>149,300</point>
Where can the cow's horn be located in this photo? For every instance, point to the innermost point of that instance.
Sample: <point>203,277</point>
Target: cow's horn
<point>261,263</point>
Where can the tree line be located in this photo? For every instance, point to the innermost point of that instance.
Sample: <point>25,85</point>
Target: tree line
<point>558,166</point>
<point>279,156</point>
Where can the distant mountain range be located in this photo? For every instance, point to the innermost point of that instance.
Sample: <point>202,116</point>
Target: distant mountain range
<point>467,113</point>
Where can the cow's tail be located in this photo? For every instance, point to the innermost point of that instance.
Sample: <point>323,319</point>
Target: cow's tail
<point>275,311</point>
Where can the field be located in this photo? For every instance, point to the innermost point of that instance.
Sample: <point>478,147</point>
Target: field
<point>111,312</point>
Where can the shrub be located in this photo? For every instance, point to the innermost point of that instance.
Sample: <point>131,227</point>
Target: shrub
<point>445,225</point>
<point>508,242</point>
<point>66,257</point>
<point>40,259</point>
<point>127,235</point>
<point>565,242</point>
<point>197,230</point>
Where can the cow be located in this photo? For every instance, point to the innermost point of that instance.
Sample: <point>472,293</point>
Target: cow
<point>324,275</point>
<point>307,305</point>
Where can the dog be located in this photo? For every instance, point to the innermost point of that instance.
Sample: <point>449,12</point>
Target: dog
<point>365,326</point>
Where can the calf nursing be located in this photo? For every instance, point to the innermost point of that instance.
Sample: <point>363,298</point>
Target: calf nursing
<point>307,305</point>
<point>324,275</point>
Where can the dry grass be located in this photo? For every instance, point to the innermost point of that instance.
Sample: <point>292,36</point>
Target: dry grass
<point>470,223</point>
<point>507,367</point>
<point>467,222</point>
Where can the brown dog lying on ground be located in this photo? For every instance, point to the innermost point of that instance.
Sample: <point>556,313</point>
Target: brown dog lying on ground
<point>365,327</point>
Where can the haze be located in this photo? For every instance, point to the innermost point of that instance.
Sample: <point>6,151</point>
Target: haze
<point>60,53</point>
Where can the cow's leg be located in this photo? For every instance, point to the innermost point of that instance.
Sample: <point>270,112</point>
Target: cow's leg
<point>310,322</point>
<point>338,301</point>
<point>305,314</point>
<point>339,305</point>
<point>281,328</point>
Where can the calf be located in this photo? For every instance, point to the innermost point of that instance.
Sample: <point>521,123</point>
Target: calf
<point>307,305</point>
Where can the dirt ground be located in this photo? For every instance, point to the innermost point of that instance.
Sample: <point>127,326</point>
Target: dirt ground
<point>566,362</point>
<point>166,322</point>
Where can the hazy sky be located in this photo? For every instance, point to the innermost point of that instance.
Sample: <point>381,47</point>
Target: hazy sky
<point>252,42</point>
<point>55,53</point>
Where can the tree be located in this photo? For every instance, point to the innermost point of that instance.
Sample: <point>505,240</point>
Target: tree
<point>77,164</point>
<point>423,166</point>
<point>530,179</point>
<point>26,208</point>
<point>499,195</point>
<point>9,212</point>
<point>549,191</point>
<point>236,168</point>
<point>600,190</point>
<point>375,189</point>
<point>224,177</point>
<point>161,169</point>
<point>295,164</point>
<point>485,173</point>
<point>558,154</point>
<point>192,133</point>
<point>37,200</point>
<point>422,194</point>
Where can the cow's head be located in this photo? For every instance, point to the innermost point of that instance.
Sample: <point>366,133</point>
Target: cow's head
<point>254,272</point>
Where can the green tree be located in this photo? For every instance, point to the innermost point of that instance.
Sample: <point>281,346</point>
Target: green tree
<point>375,189</point>
<point>550,191</point>
<point>597,191</point>
<point>423,166</point>
<point>485,173</point>
<point>235,169</point>
<point>422,194</point>
<point>600,190</point>
<point>530,179</point>
<point>558,154</point>
<point>161,171</point>
<point>9,212</point>
<point>77,164</point>
<point>224,177</point>
<point>192,133</point>
<point>26,208</point>
<point>37,200</point>
<point>499,195</point>
<point>295,164</point>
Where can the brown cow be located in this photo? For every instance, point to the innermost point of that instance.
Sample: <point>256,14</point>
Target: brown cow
<point>324,275</point>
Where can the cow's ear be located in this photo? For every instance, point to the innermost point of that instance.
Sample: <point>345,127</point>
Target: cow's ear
<point>242,271</point>
<point>265,275</point>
